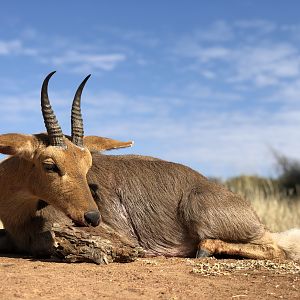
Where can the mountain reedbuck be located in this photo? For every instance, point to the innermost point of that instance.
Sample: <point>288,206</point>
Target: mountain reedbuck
<point>52,167</point>
<point>166,208</point>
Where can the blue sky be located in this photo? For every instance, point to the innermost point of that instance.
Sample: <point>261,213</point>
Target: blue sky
<point>211,84</point>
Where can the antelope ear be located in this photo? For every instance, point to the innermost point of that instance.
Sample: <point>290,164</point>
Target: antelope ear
<point>16,144</point>
<point>97,143</point>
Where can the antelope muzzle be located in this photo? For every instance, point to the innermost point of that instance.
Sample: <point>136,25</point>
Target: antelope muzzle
<point>92,218</point>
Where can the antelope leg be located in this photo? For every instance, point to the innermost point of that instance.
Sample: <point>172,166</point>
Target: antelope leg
<point>246,250</point>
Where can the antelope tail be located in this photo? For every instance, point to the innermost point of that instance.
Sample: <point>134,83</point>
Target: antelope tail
<point>289,242</point>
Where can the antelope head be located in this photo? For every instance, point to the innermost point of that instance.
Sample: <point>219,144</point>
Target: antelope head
<point>53,167</point>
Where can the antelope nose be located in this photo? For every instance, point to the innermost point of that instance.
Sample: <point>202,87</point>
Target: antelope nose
<point>92,217</point>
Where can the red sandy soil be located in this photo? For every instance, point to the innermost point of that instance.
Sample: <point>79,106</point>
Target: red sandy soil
<point>156,278</point>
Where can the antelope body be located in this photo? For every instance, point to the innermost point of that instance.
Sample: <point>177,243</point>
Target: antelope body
<point>172,210</point>
<point>167,208</point>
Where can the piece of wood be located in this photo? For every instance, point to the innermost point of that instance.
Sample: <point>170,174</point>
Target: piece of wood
<point>99,245</point>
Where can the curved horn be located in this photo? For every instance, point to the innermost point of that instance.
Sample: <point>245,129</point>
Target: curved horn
<point>76,116</point>
<point>56,136</point>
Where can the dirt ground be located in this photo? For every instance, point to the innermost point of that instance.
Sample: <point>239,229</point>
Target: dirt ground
<point>155,278</point>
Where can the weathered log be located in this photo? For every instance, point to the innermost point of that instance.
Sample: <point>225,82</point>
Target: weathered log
<point>99,245</point>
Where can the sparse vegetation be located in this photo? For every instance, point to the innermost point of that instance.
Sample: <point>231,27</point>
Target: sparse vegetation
<point>289,175</point>
<point>279,212</point>
<point>276,201</point>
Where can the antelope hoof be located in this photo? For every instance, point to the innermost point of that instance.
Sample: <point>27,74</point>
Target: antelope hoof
<point>201,253</point>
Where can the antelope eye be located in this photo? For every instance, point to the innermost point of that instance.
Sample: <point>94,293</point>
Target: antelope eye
<point>51,168</point>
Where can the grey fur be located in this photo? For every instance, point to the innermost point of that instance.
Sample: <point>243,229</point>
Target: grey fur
<point>168,208</point>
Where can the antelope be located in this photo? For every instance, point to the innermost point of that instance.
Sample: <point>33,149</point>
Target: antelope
<point>50,167</point>
<point>164,207</point>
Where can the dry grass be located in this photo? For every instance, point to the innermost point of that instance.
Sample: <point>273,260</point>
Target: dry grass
<point>278,212</point>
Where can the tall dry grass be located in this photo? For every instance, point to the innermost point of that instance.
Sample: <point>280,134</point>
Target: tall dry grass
<point>277,211</point>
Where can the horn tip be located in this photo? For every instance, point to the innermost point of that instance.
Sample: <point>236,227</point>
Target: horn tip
<point>49,76</point>
<point>87,78</point>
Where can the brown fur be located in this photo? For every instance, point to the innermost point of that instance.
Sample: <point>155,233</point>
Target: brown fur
<point>24,181</point>
<point>267,250</point>
<point>168,208</point>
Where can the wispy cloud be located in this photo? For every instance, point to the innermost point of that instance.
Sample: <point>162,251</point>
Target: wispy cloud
<point>288,93</point>
<point>88,62</point>
<point>15,47</point>
<point>89,57</point>
<point>266,64</point>
<point>261,62</point>
<point>7,47</point>
<point>216,143</point>
<point>215,99</point>
<point>261,75</point>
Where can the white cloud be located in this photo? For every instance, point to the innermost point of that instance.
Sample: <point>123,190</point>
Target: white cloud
<point>212,53</point>
<point>221,123</point>
<point>288,93</point>
<point>114,103</point>
<point>236,139</point>
<point>15,47</point>
<point>202,54</point>
<point>87,62</point>
<point>215,143</point>
<point>84,57</point>
<point>208,74</point>
<point>205,92</point>
<point>262,62</point>
<point>8,47</point>
<point>219,143</point>
<point>265,64</point>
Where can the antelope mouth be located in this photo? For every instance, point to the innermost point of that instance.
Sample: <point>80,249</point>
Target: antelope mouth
<point>77,222</point>
<point>91,219</point>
